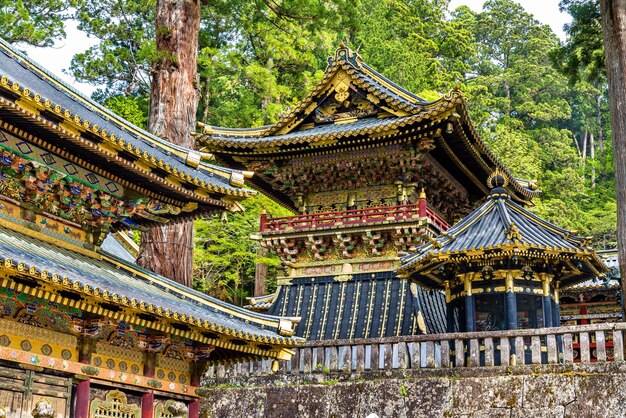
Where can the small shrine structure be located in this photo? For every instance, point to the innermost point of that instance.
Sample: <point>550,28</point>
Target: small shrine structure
<point>372,171</point>
<point>84,333</point>
<point>502,267</point>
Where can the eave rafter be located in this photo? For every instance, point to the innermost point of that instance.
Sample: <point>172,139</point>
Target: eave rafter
<point>94,300</point>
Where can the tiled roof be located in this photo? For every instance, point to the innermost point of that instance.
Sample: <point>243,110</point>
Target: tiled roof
<point>612,279</point>
<point>500,224</point>
<point>331,130</point>
<point>24,77</point>
<point>112,246</point>
<point>401,113</point>
<point>115,281</point>
<point>367,305</point>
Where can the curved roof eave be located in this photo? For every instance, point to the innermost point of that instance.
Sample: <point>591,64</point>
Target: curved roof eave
<point>42,91</point>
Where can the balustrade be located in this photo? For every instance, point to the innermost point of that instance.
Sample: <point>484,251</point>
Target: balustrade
<point>353,218</point>
<point>562,345</point>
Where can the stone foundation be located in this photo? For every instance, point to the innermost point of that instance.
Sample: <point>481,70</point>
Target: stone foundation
<point>571,390</point>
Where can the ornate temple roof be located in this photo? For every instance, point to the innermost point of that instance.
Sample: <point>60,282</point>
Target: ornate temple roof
<point>364,305</point>
<point>70,172</point>
<point>90,281</point>
<point>501,227</point>
<point>610,281</point>
<point>61,120</point>
<point>355,107</point>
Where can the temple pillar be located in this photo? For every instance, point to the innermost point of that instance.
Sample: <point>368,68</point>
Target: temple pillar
<point>547,303</point>
<point>450,325</point>
<point>260,273</point>
<point>556,309</point>
<point>511,302</point>
<point>147,405</point>
<point>194,406</point>
<point>547,311</point>
<point>470,308</point>
<point>81,405</point>
<point>422,204</point>
<point>147,399</point>
<point>83,388</point>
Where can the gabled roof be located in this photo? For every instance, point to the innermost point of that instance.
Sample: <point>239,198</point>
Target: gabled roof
<point>393,98</point>
<point>36,103</point>
<point>500,226</point>
<point>124,291</point>
<point>354,106</point>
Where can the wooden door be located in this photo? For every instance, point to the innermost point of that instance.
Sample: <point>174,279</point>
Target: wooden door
<point>21,390</point>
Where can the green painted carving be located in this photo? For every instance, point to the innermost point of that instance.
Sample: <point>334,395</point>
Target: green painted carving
<point>90,370</point>
<point>203,392</point>
<point>115,405</point>
<point>171,409</point>
<point>154,383</point>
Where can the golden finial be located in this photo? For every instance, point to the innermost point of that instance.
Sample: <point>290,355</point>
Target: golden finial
<point>497,179</point>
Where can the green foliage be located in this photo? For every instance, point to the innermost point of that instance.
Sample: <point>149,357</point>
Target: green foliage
<point>257,59</point>
<point>413,43</point>
<point>131,108</point>
<point>533,119</point>
<point>582,56</point>
<point>225,256</point>
<point>35,22</point>
<point>121,61</point>
<point>539,104</point>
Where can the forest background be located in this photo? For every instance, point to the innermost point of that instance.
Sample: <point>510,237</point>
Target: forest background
<point>540,104</point>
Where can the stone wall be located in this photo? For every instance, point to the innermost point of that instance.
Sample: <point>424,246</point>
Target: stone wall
<point>563,390</point>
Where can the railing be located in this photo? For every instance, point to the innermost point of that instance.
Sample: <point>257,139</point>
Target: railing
<point>563,345</point>
<point>352,218</point>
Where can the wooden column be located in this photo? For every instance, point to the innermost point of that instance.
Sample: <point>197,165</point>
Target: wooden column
<point>511,303</point>
<point>556,308</point>
<point>470,308</point>
<point>450,325</point>
<point>260,275</point>
<point>83,388</point>
<point>422,204</point>
<point>81,407</point>
<point>147,399</point>
<point>196,372</point>
<point>546,302</point>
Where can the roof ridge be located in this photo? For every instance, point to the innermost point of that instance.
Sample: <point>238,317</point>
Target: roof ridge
<point>510,230</point>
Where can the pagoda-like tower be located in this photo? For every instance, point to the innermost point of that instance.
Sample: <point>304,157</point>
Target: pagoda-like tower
<point>502,267</point>
<point>372,171</point>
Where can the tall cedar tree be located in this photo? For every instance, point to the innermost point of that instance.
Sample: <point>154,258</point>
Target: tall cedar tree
<point>613,15</point>
<point>168,250</point>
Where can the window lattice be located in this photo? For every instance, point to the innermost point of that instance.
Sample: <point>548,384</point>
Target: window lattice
<point>114,406</point>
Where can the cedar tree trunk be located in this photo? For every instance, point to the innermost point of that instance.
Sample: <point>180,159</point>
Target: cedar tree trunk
<point>168,250</point>
<point>613,15</point>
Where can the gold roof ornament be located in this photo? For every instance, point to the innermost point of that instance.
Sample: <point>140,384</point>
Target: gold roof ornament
<point>501,229</point>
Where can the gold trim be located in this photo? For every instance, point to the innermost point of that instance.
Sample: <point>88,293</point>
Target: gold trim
<point>73,125</point>
<point>95,108</point>
<point>75,286</point>
<point>132,319</point>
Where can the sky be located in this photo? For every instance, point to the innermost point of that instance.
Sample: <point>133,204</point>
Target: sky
<point>57,59</point>
<point>545,11</point>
